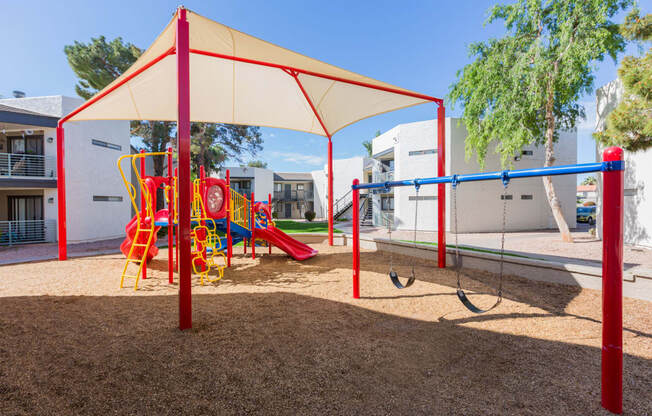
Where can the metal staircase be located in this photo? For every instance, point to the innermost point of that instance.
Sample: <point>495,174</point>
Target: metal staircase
<point>343,204</point>
<point>366,211</point>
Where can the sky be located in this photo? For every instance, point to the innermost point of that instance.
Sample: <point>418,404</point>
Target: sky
<point>418,45</point>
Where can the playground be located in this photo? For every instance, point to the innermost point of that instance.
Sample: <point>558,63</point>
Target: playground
<point>277,335</point>
<point>276,325</point>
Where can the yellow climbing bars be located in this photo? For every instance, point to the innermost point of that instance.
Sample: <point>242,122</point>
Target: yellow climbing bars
<point>207,245</point>
<point>144,220</point>
<point>240,210</point>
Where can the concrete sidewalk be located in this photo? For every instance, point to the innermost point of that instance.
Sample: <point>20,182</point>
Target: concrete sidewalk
<point>543,245</point>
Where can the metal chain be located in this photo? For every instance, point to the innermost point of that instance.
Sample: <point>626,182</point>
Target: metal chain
<point>391,251</point>
<point>416,210</point>
<point>457,247</point>
<point>502,244</point>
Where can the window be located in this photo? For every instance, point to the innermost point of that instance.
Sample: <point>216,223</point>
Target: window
<point>278,187</point>
<point>106,198</point>
<point>527,153</point>
<point>388,164</point>
<point>527,197</point>
<point>387,203</point>
<point>423,198</point>
<point>630,192</point>
<point>422,152</point>
<point>108,145</point>
<point>507,197</point>
<point>299,187</point>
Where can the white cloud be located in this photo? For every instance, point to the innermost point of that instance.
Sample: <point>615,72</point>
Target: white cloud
<point>312,160</point>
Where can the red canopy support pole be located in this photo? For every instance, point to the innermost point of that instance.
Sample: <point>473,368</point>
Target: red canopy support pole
<point>269,205</point>
<point>330,191</point>
<point>183,143</point>
<point>441,188</point>
<point>143,205</point>
<point>253,228</point>
<point>356,241</point>
<point>170,219</point>
<point>612,284</point>
<point>176,215</point>
<point>61,194</point>
<point>229,217</point>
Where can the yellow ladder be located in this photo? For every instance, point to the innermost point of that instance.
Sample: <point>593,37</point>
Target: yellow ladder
<point>148,212</point>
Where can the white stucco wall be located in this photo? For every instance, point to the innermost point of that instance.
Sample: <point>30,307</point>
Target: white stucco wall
<point>262,179</point>
<point>320,188</point>
<point>90,170</point>
<point>637,226</point>
<point>479,204</point>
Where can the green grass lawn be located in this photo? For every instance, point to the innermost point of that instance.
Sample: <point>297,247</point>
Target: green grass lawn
<point>479,250</point>
<point>290,227</point>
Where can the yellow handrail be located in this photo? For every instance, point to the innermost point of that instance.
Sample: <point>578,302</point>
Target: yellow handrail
<point>240,210</point>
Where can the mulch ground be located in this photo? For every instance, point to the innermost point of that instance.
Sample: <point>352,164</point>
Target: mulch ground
<point>277,336</point>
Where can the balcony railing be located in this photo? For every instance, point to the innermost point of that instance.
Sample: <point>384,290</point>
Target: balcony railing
<point>293,195</point>
<point>23,165</point>
<point>384,176</point>
<point>26,232</point>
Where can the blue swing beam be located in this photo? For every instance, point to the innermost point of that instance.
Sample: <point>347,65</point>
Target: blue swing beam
<point>612,169</point>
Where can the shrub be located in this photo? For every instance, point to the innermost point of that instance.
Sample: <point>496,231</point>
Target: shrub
<point>589,203</point>
<point>309,215</point>
<point>275,215</point>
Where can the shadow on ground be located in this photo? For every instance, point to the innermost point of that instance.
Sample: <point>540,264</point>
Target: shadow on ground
<point>283,353</point>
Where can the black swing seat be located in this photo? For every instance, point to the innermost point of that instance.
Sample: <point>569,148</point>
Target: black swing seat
<point>394,276</point>
<point>470,306</point>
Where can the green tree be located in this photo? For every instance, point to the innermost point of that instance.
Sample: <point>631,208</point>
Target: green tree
<point>99,62</point>
<point>629,125</point>
<point>257,164</point>
<point>589,180</point>
<point>525,87</point>
<point>212,144</point>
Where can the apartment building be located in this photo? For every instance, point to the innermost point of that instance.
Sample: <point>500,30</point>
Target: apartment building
<point>97,201</point>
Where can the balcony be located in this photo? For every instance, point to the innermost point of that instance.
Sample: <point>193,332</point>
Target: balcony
<point>27,232</point>
<point>27,166</point>
<point>300,195</point>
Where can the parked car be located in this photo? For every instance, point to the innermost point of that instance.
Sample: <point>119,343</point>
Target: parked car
<point>586,214</point>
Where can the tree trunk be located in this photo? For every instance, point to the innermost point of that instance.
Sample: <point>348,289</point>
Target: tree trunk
<point>553,201</point>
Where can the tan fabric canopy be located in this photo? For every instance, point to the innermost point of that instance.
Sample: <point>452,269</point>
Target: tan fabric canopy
<point>239,79</point>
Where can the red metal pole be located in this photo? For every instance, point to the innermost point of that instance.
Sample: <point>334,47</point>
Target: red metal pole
<point>143,205</point>
<point>356,241</point>
<point>253,228</point>
<point>330,191</point>
<point>170,219</point>
<point>176,235</point>
<point>441,188</point>
<point>612,283</point>
<point>269,205</point>
<point>229,240</point>
<point>61,195</point>
<point>183,143</point>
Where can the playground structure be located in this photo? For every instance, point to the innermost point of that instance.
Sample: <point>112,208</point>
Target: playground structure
<point>612,167</point>
<point>220,218</point>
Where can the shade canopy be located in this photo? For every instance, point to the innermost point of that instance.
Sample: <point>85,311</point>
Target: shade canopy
<point>239,79</point>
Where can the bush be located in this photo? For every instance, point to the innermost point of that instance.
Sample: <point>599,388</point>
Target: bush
<point>309,215</point>
<point>589,204</point>
<point>275,215</point>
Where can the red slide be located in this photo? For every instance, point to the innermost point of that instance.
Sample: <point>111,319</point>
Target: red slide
<point>296,249</point>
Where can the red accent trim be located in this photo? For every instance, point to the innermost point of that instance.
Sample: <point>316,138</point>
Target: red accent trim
<point>61,194</point>
<point>612,284</point>
<point>103,94</point>
<point>330,192</point>
<point>356,241</point>
<point>312,106</point>
<point>170,219</point>
<point>317,74</point>
<point>183,143</point>
<point>229,241</point>
<point>441,188</point>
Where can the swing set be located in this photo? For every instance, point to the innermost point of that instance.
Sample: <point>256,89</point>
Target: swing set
<point>612,169</point>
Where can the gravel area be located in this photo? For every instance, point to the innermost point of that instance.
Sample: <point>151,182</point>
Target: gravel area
<point>277,336</point>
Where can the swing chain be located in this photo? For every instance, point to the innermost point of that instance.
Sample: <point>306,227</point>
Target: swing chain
<point>457,246</point>
<point>502,239</point>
